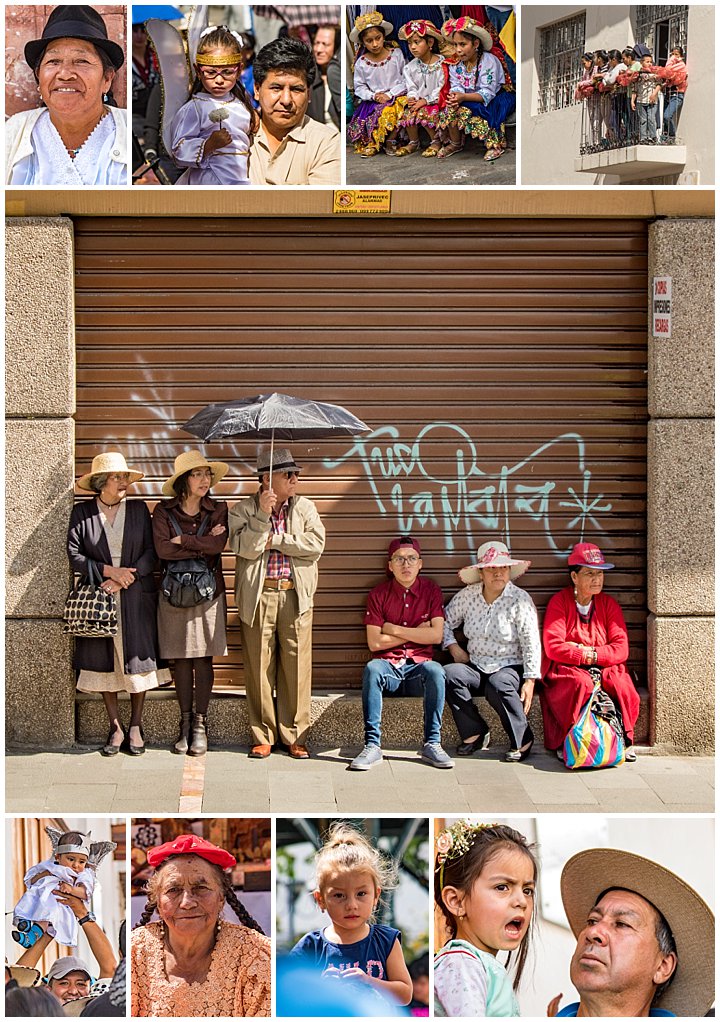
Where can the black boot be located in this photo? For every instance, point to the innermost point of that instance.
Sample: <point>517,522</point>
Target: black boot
<point>199,736</point>
<point>181,745</point>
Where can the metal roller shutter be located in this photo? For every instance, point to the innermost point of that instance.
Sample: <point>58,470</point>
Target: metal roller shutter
<point>501,364</point>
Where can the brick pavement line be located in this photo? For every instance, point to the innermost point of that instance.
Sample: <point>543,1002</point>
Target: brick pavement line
<point>192,785</point>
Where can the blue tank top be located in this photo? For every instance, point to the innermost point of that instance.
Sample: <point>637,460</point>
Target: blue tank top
<point>370,954</point>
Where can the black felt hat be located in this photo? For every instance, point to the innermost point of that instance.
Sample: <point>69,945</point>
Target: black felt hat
<point>68,21</point>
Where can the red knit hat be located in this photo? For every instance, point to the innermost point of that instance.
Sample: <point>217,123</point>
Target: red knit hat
<point>191,844</point>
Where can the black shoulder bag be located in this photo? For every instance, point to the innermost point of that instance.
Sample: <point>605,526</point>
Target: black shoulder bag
<point>189,581</point>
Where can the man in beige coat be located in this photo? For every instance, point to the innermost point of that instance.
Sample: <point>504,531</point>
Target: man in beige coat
<point>278,538</point>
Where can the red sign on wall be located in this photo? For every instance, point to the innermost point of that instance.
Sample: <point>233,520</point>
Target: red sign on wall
<point>662,307</point>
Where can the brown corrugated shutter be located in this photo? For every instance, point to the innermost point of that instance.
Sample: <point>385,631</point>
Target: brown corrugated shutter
<point>502,364</point>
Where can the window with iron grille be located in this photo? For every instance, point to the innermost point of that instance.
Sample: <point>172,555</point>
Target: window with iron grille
<point>661,27</point>
<point>559,68</point>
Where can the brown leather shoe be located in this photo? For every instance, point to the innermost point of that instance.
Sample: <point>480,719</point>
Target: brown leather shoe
<point>298,751</point>
<point>260,751</point>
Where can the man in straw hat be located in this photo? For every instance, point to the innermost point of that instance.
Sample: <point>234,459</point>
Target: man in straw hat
<point>645,938</point>
<point>502,661</point>
<point>278,538</point>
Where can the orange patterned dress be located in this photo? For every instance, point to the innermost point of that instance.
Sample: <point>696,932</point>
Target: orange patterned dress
<point>237,984</point>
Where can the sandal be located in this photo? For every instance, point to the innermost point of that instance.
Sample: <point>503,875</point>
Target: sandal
<point>449,149</point>
<point>391,147</point>
<point>493,154</point>
<point>433,149</point>
<point>408,150</point>
<point>367,152</point>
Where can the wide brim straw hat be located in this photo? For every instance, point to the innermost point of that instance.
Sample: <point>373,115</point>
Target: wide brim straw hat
<point>74,21</point>
<point>189,460</point>
<point>471,27</point>
<point>420,26</point>
<point>22,974</point>
<point>588,874</point>
<point>492,555</point>
<point>110,461</point>
<point>373,19</point>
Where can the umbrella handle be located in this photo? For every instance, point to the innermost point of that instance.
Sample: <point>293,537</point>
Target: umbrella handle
<point>272,453</point>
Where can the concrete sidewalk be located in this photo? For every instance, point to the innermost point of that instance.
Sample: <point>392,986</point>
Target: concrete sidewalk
<point>464,168</point>
<point>226,781</point>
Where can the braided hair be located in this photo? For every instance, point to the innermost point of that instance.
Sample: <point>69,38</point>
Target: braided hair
<point>225,882</point>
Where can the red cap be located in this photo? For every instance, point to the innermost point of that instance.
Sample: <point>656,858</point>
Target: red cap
<point>191,844</point>
<point>587,555</point>
<point>402,541</point>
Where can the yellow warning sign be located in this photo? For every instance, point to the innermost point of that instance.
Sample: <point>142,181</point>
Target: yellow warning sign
<point>347,200</point>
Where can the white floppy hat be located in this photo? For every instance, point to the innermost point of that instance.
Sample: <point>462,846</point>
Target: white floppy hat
<point>492,555</point>
<point>373,19</point>
<point>189,460</point>
<point>111,461</point>
<point>588,874</point>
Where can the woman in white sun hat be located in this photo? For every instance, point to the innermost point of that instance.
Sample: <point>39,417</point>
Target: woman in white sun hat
<point>114,536</point>
<point>502,661</point>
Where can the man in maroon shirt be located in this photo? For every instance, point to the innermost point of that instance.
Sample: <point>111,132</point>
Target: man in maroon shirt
<point>403,621</point>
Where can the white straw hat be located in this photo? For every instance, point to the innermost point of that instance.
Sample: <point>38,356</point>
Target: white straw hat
<point>189,460</point>
<point>492,555</point>
<point>111,461</point>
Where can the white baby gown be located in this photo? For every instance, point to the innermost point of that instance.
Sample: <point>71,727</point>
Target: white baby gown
<point>191,127</point>
<point>39,903</point>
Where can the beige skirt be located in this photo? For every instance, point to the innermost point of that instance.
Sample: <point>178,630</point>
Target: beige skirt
<point>185,632</point>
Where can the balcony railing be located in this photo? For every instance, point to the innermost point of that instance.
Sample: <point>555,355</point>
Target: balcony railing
<point>609,121</point>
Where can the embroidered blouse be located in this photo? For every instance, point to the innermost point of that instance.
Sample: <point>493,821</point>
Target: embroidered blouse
<point>490,77</point>
<point>500,633</point>
<point>40,157</point>
<point>191,128</point>
<point>237,984</point>
<point>424,81</point>
<point>372,76</point>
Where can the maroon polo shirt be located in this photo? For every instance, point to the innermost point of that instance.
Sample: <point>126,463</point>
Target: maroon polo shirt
<point>409,607</point>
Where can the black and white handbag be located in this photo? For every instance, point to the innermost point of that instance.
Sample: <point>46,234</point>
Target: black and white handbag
<point>90,611</point>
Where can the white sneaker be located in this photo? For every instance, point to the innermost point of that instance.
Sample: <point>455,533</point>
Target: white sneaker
<point>434,754</point>
<point>370,755</point>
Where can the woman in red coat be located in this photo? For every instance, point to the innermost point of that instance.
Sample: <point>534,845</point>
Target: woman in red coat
<point>584,627</point>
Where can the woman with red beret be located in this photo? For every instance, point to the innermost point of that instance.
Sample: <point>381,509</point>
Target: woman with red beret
<point>193,963</point>
<point>584,632</point>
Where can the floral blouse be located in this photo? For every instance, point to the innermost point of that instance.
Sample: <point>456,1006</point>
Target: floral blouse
<point>237,984</point>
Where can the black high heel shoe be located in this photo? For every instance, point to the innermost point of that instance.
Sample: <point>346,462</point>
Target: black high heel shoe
<point>136,750</point>
<point>108,748</point>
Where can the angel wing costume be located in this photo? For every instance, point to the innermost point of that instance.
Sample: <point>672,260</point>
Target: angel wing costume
<point>38,903</point>
<point>188,120</point>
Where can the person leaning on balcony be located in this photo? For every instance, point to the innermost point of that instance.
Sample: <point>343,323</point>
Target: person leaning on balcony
<point>583,632</point>
<point>76,135</point>
<point>278,538</point>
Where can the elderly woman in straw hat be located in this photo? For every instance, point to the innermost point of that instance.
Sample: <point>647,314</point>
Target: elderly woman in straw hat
<point>191,524</point>
<point>502,661</point>
<point>116,535</point>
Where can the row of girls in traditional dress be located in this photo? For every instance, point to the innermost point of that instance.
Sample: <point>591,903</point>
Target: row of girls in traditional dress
<point>451,97</point>
<point>621,89</point>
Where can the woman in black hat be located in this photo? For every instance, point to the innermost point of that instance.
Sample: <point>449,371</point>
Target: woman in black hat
<point>74,137</point>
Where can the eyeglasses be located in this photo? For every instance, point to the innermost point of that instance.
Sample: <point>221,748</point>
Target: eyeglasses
<point>289,475</point>
<point>201,473</point>
<point>119,477</point>
<point>411,560</point>
<point>218,72</point>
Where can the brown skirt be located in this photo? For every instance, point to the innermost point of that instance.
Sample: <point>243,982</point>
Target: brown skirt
<point>185,632</point>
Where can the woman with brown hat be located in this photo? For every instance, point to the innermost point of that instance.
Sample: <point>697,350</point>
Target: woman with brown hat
<point>192,525</point>
<point>114,536</point>
<point>75,136</point>
<point>194,963</point>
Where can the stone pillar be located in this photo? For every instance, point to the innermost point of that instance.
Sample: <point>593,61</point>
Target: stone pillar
<point>39,467</point>
<point>681,569</point>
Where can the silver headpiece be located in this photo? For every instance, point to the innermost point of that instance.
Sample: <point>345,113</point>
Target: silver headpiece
<point>95,850</point>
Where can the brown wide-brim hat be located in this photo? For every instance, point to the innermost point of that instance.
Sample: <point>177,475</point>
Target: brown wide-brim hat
<point>189,460</point>
<point>588,874</point>
<point>493,554</point>
<point>110,461</point>
<point>74,21</point>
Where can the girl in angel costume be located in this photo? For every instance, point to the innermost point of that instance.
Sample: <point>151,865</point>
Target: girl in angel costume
<point>208,118</point>
<point>71,870</point>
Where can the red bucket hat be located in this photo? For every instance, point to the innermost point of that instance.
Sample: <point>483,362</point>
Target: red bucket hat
<point>587,555</point>
<point>191,844</point>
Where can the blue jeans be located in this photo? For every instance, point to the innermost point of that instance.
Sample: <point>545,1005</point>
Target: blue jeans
<point>647,113</point>
<point>408,679</point>
<point>672,112</point>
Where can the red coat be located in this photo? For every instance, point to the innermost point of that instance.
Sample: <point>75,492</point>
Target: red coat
<point>566,685</point>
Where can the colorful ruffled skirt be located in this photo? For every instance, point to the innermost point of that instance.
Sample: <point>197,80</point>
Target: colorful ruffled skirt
<point>486,123</point>
<point>372,122</point>
<point>425,117</point>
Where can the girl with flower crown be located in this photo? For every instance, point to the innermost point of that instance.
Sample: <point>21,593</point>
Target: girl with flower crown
<point>477,104</point>
<point>211,133</point>
<point>426,77</point>
<point>485,880</point>
<point>379,84</point>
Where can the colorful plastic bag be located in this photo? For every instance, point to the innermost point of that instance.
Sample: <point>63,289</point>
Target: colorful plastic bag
<point>595,739</point>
